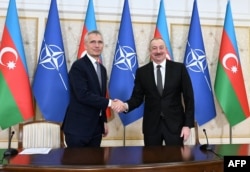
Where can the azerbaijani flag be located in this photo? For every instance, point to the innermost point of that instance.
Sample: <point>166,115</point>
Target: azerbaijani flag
<point>89,24</point>
<point>161,30</point>
<point>15,91</point>
<point>229,83</point>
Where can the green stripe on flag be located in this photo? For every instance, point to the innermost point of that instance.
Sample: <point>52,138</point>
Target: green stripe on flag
<point>227,98</point>
<point>9,112</point>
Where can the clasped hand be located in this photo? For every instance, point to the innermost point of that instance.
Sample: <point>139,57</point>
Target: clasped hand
<point>118,106</point>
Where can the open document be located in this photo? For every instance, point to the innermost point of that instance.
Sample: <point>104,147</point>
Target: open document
<point>36,151</point>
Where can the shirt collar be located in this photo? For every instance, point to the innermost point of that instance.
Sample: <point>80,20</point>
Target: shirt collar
<point>92,59</point>
<point>163,64</point>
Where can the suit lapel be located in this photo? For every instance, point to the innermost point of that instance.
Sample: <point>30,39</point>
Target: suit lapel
<point>92,69</point>
<point>151,68</point>
<point>103,77</point>
<point>166,78</point>
<point>168,74</point>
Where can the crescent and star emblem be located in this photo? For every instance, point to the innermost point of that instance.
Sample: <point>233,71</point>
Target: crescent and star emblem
<point>125,58</point>
<point>11,62</point>
<point>233,62</point>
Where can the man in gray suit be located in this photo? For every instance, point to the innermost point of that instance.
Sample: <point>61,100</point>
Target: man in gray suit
<point>169,108</point>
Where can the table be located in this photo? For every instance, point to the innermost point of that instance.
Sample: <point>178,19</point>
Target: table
<point>135,158</point>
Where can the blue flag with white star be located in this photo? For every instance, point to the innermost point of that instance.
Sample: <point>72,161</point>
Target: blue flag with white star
<point>196,64</point>
<point>50,85</point>
<point>124,67</point>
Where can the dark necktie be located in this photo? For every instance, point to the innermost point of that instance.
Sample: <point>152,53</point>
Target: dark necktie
<point>98,71</point>
<point>159,79</point>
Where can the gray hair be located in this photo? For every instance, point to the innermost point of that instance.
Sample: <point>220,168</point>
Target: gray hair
<point>86,37</point>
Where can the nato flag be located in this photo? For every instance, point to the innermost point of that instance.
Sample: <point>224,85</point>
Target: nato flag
<point>124,67</point>
<point>50,86</point>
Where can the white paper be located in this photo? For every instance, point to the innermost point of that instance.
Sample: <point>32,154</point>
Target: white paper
<point>36,151</point>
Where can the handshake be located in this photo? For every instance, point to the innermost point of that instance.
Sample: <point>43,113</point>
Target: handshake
<point>118,106</point>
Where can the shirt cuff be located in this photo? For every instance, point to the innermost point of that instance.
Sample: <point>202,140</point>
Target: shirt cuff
<point>126,104</point>
<point>110,102</point>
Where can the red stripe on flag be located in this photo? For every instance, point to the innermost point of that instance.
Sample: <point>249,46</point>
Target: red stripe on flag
<point>21,160</point>
<point>108,110</point>
<point>243,150</point>
<point>15,76</point>
<point>158,35</point>
<point>82,46</point>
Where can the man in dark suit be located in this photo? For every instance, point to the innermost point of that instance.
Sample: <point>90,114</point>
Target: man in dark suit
<point>85,121</point>
<point>169,112</point>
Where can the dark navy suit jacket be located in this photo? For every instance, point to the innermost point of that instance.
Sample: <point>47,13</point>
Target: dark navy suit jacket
<point>87,99</point>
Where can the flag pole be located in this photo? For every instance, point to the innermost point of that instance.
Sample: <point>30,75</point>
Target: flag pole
<point>230,134</point>
<point>124,136</point>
